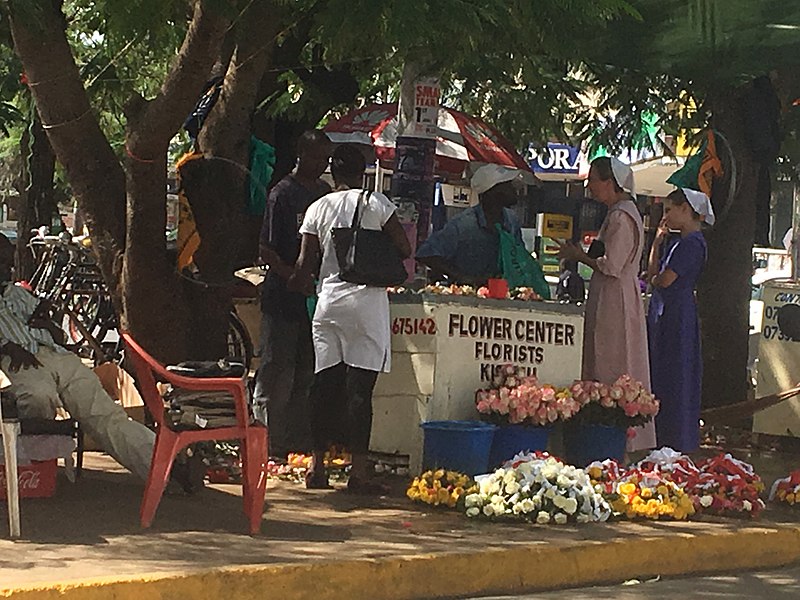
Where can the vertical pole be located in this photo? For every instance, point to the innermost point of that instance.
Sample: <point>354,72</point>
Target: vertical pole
<point>9,433</point>
<point>415,153</point>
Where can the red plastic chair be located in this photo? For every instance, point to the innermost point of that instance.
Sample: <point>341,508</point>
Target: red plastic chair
<point>169,442</point>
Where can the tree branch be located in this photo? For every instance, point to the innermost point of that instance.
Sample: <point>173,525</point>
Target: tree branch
<point>159,119</point>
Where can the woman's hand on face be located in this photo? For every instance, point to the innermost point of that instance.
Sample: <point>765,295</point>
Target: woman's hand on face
<point>662,230</point>
<point>568,250</point>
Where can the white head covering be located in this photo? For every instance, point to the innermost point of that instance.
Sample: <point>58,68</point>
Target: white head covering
<point>489,175</point>
<point>701,204</point>
<point>623,175</point>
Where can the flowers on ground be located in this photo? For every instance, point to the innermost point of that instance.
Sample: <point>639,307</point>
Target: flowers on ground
<point>440,488</point>
<point>540,490</point>
<point>720,485</point>
<point>605,474</point>
<point>787,489</point>
<point>649,495</point>
<point>726,485</point>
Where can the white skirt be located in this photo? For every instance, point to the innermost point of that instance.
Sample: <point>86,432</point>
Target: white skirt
<point>351,325</point>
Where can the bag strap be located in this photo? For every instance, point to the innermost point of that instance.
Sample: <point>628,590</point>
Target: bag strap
<point>356,217</point>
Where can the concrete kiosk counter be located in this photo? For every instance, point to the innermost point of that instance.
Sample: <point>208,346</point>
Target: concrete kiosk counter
<point>445,347</point>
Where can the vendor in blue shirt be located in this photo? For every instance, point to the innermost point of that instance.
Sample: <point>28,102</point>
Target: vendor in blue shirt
<point>466,248</point>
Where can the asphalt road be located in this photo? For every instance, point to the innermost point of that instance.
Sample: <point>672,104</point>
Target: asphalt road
<point>774,585</point>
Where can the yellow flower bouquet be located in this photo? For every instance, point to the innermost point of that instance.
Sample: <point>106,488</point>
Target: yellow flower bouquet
<point>649,496</point>
<point>440,488</point>
<point>787,490</point>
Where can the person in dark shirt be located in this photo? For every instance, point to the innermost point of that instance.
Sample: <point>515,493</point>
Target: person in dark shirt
<point>287,354</point>
<point>466,248</point>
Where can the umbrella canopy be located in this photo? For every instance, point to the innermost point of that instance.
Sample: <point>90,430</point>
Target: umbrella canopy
<point>461,140</point>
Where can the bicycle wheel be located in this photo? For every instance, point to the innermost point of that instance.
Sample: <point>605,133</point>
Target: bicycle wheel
<point>240,346</point>
<point>85,299</point>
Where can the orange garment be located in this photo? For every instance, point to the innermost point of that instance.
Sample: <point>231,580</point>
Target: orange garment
<point>118,384</point>
<point>710,167</point>
<point>188,236</point>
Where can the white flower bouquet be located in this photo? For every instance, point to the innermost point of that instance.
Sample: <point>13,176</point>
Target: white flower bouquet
<point>541,490</point>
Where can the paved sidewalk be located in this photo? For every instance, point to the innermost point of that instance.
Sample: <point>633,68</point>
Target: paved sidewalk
<point>327,544</point>
<point>782,584</point>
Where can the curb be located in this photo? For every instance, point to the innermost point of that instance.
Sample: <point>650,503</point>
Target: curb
<point>516,570</point>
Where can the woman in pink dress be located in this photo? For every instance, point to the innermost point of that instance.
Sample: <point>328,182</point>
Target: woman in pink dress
<point>615,332</point>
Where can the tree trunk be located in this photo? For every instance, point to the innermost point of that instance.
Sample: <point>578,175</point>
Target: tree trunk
<point>119,205</point>
<point>93,170</point>
<point>37,204</point>
<point>156,307</point>
<point>724,289</point>
<point>218,185</point>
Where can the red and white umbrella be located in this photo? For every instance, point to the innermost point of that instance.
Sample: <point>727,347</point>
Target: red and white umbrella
<point>460,140</point>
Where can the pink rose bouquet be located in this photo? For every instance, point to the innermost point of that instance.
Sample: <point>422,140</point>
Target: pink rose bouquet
<point>625,403</point>
<point>515,398</point>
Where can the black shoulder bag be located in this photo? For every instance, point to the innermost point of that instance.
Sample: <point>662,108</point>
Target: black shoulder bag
<point>367,256</point>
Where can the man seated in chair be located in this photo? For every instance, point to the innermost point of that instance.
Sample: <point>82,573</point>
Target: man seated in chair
<point>46,376</point>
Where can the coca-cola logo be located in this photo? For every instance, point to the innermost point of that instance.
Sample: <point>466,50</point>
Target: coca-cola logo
<point>28,480</point>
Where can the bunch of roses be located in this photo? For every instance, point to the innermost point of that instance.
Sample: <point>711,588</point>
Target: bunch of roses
<point>625,403</point>
<point>440,488</point>
<point>515,398</point>
<point>518,293</point>
<point>528,456</point>
<point>526,294</point>
<point>726,485</point>
<point>648,494</point>
<point>540,490</point>
<point>787,489</point>
<point>671,464</point>
<point>449,290</point>
<point>605,474</point>
<point>719,485</point>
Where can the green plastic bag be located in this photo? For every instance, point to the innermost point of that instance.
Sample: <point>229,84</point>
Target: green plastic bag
<point>311,303</point>
<point>262,165</point>
<point>311,306</point>
<point>518,267</point>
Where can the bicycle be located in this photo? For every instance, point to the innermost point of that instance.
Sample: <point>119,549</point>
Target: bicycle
<point>68,276</point>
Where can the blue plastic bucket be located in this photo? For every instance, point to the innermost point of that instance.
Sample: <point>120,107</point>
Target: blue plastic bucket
<point>461,446</point>
<point>586,443</point>
<point>510,440</point>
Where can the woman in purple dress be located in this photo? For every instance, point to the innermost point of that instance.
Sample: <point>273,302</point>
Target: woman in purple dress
<point>676,367</point>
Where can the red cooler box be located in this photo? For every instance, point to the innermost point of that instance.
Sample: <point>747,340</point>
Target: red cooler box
<point>36,480</point>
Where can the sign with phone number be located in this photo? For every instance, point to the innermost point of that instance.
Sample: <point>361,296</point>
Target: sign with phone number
<point>778,365</point>
<point>413,326</point>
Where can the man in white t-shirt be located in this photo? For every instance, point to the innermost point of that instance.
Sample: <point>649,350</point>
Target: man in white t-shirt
<point>350,328</point>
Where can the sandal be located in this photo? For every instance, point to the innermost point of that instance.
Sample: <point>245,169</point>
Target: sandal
<point>366,487</point>
<point>317,481</point>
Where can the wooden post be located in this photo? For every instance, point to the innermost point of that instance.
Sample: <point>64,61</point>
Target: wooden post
<point>10,431</point>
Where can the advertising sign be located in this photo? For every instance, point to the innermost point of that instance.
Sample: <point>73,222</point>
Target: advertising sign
<point>557,226</point>
<point>426,108</point>
<point>557,159</point>
<point>778,363</point>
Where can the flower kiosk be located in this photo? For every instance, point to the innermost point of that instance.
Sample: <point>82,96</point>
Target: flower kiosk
<point>446,344</point>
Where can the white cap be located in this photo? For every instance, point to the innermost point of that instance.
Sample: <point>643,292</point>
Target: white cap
<point>623,175</point>
<point>489,175</point>
<point>701,204</point>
